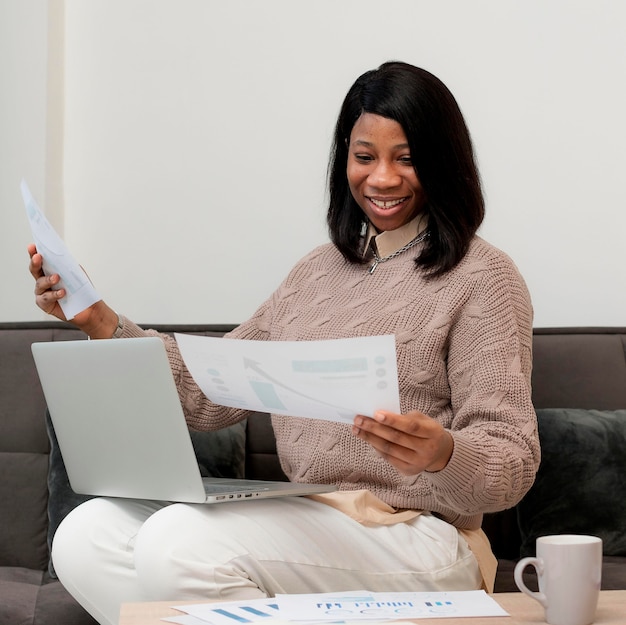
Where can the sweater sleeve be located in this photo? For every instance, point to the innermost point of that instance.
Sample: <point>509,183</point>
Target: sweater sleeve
<point>496,446</point>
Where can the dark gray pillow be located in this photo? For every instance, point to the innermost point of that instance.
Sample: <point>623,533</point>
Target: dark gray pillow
<point>581,482</point>
<point>220,454</point>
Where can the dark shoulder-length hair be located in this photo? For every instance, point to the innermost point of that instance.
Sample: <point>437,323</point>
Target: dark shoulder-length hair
<point>441,152</point>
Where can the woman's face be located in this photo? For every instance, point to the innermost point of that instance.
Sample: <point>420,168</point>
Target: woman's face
<point>380,173</point>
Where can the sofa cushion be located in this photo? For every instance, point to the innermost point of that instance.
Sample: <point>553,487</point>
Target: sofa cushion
<point>220,454</point>
<point>61,498</point>
<point>23,513</point>
<point>23,454</point>
<point>581,482</point>
<point>30,596</point>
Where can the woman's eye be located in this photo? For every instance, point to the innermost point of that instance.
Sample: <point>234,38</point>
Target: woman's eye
<point>406,160</point>
<point>364,158</point>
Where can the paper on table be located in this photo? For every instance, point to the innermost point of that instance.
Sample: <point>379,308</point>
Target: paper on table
<point>364,605</point>
<point>332,380</point>
<point>348,607</point>
<point>184,619</point>
<point>232,612</point>
<point>80,293</point>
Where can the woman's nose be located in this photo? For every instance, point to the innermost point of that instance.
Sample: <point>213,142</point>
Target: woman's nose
<point>384,176</point>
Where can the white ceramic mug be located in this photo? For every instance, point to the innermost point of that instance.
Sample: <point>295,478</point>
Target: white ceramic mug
<point>569,570</point>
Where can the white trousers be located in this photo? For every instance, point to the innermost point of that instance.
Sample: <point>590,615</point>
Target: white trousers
<point>110,551</point>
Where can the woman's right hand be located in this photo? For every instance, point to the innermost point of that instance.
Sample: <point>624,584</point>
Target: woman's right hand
<point>97,321</point>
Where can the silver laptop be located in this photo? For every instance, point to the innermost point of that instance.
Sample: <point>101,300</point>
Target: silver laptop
<point>121,428</point>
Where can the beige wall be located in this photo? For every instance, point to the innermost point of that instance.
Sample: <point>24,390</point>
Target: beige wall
<point>181,145</point>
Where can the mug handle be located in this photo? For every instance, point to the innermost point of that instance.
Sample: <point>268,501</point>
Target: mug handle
<point>519,580</point>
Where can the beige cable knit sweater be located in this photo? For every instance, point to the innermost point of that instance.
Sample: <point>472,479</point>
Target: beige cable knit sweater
<point>464,358</point>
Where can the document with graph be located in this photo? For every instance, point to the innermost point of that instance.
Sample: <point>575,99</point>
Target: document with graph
<point>342,607</point>
<point>80,293</point>
<point>332,380</point>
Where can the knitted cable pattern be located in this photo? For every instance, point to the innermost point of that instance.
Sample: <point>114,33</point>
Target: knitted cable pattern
<point>463,345</point>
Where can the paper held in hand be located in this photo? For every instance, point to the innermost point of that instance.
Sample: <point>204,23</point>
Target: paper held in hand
<point>80,293</point>
<point>332,380</point>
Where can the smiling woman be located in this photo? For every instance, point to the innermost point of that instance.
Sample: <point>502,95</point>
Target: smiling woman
<point>404,144</point>
<point>381,175</point>
<point>404,260</point>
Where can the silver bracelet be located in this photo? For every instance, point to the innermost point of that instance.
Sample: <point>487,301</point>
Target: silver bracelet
<point>120,328</point>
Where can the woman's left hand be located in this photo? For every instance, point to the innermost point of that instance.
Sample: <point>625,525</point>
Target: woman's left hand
<point>412,443</point>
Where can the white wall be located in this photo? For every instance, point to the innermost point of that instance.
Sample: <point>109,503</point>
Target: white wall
<point>196,138</point>
<point>28,106</point>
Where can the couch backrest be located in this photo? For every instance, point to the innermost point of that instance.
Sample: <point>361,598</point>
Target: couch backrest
<point>579,368</point>
<point>573,368</point>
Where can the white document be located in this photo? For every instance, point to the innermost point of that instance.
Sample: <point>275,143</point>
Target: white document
<point>347,607</point>
<point>80,293</point>
<point>229,613</point>
<point>364,605</point>
<point>332,380</point>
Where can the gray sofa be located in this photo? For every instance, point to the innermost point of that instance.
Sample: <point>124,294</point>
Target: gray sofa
<point>579,389</point>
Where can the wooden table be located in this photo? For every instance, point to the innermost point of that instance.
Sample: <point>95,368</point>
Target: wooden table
<point>523,611</point>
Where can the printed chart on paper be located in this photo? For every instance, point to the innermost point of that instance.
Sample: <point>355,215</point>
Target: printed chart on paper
<point>332,380</point>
